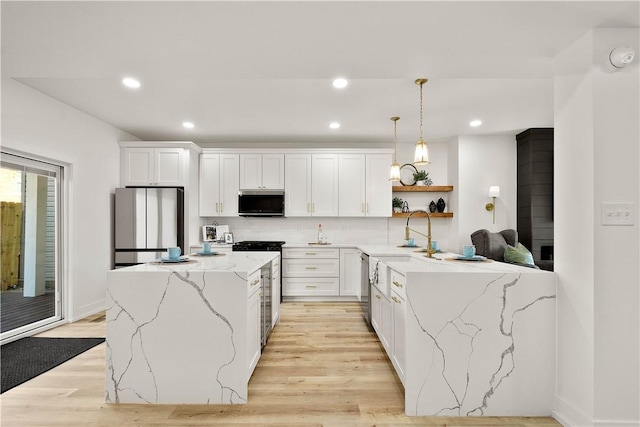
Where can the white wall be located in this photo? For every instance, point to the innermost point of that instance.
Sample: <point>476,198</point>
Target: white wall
<point>37,124</point>
<point>596,161</point>
<point>484,161</point>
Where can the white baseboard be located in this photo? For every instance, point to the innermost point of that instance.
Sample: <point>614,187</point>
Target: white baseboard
<point>616,423</point>
<point>568,415</point>
<point>86,311</point>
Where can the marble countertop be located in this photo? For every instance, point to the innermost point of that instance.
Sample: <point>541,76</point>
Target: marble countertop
<point>237,262</point>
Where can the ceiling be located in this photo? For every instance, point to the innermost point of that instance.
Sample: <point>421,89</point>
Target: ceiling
<point>262,71</point>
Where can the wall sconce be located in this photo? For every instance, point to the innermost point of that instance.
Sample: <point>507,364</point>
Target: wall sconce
<point>494,192</point>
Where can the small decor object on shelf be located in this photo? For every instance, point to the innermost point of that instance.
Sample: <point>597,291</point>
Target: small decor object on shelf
<point>422,178</point>
<point>405,207</point>
<point>432,206</point>
<point>441,205</point>
<point>397,204</point>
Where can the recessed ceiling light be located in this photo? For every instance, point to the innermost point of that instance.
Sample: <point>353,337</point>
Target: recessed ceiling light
<point>475,123</point>
<point>188,125</point>
<point>131,82</point>
<point>334,125</point>
<point>340,83</point>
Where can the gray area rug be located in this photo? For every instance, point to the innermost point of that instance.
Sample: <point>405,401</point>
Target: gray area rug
<point>27,358</point>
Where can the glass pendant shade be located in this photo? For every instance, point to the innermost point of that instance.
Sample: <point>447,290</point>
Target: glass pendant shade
<point>394,172</point>
<point>422,153</point>
<point>421,156</point>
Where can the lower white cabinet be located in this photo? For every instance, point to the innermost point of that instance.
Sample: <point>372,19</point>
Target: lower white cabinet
<point>310,272</point>
<point>381,317</point>
<point>350,272</point>
<point>254,342</point>
<point>275,291</point>
<point>399,313</point>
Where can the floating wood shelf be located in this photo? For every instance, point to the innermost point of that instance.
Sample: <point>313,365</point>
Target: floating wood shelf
<point>422,215</point>
<point>425,188</point>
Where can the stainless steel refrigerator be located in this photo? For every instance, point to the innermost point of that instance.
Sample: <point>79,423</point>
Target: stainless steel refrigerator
<point>148,220</point>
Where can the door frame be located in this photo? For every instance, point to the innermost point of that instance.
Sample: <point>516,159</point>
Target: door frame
<point>63,291</point>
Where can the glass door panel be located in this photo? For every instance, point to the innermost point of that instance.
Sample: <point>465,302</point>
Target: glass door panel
<point>30,294</point>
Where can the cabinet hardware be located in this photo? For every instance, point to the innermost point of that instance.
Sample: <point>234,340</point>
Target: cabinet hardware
<point>313,207</point>
<point>310,268</point>
<point>309,253</point>
<point>397,284</point>
<point>396,300</point>
<point>378,296</point>
<point>255,282</point>
<point>310,286</point>
<point>221,207</point>
<point>362,207</point>
<point>217,207</point>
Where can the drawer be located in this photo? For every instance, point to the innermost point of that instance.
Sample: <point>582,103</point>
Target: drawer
<point>311,268</point>
<point>253,282</point>
<point>310,253</point>
<point>398,283</point>
<point>275,265</point>
<point>299,287</point>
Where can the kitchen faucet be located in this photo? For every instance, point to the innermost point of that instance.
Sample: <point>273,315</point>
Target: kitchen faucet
<point>407,230</point>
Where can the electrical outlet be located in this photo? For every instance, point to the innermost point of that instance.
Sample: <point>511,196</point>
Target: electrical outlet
<point>618,213</point>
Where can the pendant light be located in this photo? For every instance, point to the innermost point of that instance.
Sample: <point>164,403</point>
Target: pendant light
<point>394,172</point>
<point>422,150</point>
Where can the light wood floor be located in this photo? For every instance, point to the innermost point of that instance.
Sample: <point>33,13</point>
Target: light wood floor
<point>321,367</point>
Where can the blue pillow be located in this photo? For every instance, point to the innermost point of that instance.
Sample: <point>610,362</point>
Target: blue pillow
<point>518,255</point>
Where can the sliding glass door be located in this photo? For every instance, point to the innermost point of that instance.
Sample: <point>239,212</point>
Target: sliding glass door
<point>30,275</point>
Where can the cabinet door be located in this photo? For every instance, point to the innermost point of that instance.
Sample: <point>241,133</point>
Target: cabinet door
<point>378,186</point>
<point>351,193</point>
<point>381,317</point>
<point>275,291</point>
<point>253,332</point>
<point>229,184</point>
<point>169,166</point>
<point>209,192</point>
<point>350,272</point>
<point>324,185</point>
<point>398,336</point>
<point>138,166</point>
<point>250,171</point>
<point>273,171</point>
<point>298,185</point>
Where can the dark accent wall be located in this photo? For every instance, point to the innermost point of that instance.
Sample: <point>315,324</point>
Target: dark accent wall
<point>535,192</point>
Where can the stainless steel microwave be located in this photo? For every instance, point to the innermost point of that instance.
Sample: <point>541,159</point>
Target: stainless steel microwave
<point>261,203</point>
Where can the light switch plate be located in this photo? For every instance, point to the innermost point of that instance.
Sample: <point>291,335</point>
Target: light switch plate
<point>618,213</point>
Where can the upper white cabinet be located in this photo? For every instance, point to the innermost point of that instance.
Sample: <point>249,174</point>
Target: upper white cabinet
<point>152,166</point>
<point>219,184</point>
<point>311,184</point>
<point>364,186</point>
<point>262,171</point>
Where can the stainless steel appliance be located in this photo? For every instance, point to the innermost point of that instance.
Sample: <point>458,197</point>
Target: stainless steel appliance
<point>147,222</point>
<point>261,203</point>
<point>365,288</point>
<point>267,291</point>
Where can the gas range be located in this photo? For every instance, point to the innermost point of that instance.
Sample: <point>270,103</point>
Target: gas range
<point>258,245</point>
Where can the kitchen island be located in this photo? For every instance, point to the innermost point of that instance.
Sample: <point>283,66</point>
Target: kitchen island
<point>467,338</point>
<point>185,332</point>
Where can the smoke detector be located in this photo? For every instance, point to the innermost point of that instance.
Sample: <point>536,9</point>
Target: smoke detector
<point>620,57</point>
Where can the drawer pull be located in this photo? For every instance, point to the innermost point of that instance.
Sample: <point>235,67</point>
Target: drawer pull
<point>310,268</point>
<point>398,284</point>
<point>378,296</point>
<point>309,253</point>
<point>255,282</point>
<point>310,286</point>
<point>396,300</point>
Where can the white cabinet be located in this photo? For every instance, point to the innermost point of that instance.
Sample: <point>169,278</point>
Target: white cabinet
<point>219,184</point>
<point>311,184</point>
<point>310,272</point>
<point>381,318</point>
<point>399,313</point>
<point>364,186</point>
<point>262,171</point>
<point>275,291</point>
<point>254,342</point>
<point>350,272</point>
<point>151,166</point>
